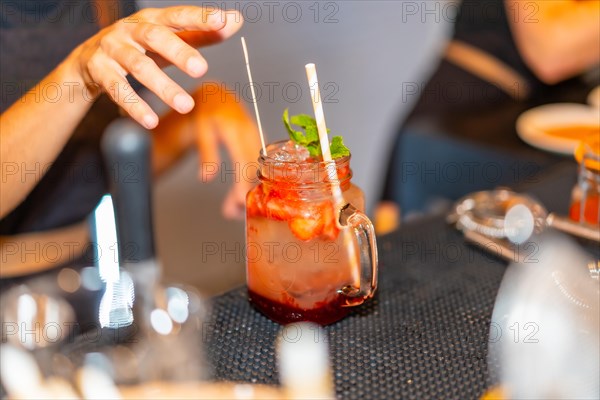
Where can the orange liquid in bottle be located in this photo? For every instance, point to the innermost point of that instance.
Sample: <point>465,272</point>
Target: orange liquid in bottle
<point>590,212</point>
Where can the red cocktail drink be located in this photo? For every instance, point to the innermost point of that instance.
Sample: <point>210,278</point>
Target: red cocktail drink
<point>302,263</point>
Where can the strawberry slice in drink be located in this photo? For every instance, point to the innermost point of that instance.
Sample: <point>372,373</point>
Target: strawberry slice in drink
<point>277,207</point>
<point>306,228</point>
<point>330,227</point>
<point>320,221</point>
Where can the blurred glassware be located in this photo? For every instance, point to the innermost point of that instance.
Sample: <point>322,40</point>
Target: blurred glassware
<point>163,342</point>
<point>37,319</point>
<point>545,331</point>
<point>501,220</point>
<point>485,213</point>
<point>173,347</point>
<point>22,379</point>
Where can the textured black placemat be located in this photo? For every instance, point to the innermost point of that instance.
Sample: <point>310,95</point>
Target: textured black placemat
<point>424,336</point>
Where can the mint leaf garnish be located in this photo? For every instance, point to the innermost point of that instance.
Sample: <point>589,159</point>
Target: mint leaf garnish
<point>338,148</point>
<point>303,120</point>
<point>310,137</point>
<point>314,149</point>
<point>312,134</point>
<point>296,136</point>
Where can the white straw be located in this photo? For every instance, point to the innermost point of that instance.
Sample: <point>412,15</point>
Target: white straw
<point>313,82</point>
<point>262,137</point>
<point>315,94</point>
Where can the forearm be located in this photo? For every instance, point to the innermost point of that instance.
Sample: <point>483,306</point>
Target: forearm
<point>34,130</point>
<point>560,39</point>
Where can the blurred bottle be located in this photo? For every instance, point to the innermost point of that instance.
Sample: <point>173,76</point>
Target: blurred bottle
<point>158,326</point>
<point>303,360</point>
<point>585,206</point>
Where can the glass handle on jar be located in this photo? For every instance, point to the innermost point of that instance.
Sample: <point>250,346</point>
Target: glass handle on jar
<point>364,232</point>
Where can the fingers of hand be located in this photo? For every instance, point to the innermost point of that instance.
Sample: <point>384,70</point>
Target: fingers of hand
<point>120,50</point>
<point>147,72</point>
<point>165,42</point>
<point>198,26</point>
<point>234,22</point>
<point>191,18</point>
<point>109,75</point>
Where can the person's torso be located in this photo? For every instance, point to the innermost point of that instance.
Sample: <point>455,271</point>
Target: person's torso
<point>484,24</point>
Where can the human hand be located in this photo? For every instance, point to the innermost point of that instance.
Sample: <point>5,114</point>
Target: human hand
<point>220,117</point>
<point>143,43</point>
